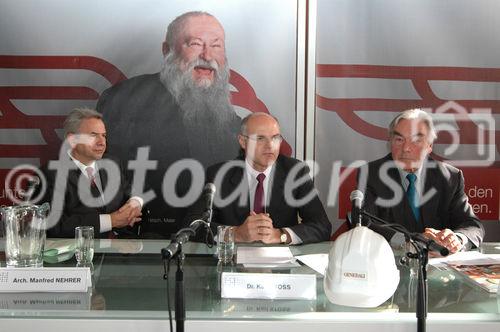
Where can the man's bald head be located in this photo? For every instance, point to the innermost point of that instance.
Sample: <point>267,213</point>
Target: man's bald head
<point>260,138</point>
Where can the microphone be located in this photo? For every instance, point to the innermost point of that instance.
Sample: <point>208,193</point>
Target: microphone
<point>180,238</point>
<point>356,198</point>
<point>183,235</point>
<point>432,245</point>
<point>209,194</point>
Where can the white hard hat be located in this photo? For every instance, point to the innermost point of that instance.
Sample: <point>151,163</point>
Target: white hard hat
<point>361,269</point>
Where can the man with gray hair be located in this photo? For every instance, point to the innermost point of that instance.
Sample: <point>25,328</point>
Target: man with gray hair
<point>85,136</point>
<point>410,188</point>
<point>182,112</point>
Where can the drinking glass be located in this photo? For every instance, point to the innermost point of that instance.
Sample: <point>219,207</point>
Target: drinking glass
<point>84,244</point>
<point>225,243</point>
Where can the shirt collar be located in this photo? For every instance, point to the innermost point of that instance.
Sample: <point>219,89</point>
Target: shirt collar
<point>418,173</point>
<point>404,173</point>
<point>81,165</point>
<point>252,173</point>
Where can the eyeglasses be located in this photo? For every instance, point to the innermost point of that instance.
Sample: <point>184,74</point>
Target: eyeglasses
<point>276,139</point>
<point>413,140</point>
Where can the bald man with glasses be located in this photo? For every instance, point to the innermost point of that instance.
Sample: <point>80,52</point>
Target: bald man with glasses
<point>267,197</point>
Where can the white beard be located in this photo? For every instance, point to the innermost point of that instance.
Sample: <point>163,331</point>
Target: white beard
<point>199,101</point>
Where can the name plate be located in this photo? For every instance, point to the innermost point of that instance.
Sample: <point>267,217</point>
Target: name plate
<point>268,286</point>
<point>46,301</point>
<point>53,279</point>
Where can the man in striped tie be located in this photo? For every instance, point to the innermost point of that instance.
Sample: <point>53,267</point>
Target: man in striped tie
<point>410,188</point>
<point>110,212</point>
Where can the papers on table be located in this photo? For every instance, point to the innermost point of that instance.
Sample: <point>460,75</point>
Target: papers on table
<point>317,262</point>
<point>464,256</point>
<point>482,270</point>
<point>58,247</point>
<point>279,257</point>
<point>58,250</point>
<point>265,257</point>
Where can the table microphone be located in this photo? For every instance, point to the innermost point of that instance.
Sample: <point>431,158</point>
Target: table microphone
<point>356,198</point>
<point>208,194</point>
<point>432,245</point>
<point>184,234</point>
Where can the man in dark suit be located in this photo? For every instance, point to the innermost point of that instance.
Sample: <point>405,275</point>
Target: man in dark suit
<point>92,194</point>
<point>182,112</point>
<point>263,194</point>
<point>408,187</point>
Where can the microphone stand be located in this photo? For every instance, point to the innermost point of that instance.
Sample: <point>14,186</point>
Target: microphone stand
<point>180,305</point>
<point>422,246</point>
<point>174,250</point>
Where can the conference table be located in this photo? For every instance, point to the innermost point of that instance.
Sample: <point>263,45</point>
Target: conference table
<point>129,293</point>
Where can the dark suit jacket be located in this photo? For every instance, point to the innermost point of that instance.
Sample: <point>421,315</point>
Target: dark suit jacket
<point>141,112</point>
<point>75,212</point>
<point>448,207</point>
<point>314,226</point>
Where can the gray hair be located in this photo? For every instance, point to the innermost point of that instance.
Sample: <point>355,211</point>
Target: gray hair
<point>75,118</point>
<point>413,114</point>
<point>244,122</point>
<point>175,27</point>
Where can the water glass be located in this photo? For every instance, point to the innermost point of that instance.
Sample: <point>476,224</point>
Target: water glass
<point>225,243</point>
<point>84,244</point>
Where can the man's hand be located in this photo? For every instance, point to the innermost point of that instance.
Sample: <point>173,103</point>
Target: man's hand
<point>134,209</point>
<point>127,215</point>
<point>446,237</point>
<point>257,227</point>
<point>273,237</point>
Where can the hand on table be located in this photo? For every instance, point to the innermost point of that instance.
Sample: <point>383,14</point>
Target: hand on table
<point>257,227</point>
<point>446,237</point>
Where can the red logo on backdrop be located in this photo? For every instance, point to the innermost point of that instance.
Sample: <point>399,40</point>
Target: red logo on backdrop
<point>420,77</point>
<point>245,97</point>
<point>14,118</point>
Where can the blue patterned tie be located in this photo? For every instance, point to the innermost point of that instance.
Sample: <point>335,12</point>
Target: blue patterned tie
<point>413,195</point>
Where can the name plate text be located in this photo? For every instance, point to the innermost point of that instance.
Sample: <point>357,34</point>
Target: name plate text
<point>268,286</point>
<point>52,279</point>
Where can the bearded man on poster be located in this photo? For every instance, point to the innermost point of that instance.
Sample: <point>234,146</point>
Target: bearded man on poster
<point>184,111</point>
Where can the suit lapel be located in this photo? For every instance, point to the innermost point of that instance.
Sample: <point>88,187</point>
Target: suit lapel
<point>236,177</point>
<point>429,208</point>
<point>74,176</point>
<point>103,177</point>
<point>275,190</point>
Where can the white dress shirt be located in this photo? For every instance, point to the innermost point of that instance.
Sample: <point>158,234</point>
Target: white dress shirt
<point>251,175</point>
<point>104,219</point>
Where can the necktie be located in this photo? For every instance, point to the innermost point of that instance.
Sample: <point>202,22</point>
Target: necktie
<point>90,174</point>
<point>413,195</point>
<point>258,202</point>
<point>96,192</point>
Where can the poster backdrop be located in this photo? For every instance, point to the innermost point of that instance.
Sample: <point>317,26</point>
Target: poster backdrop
<point>376,58</point>
<point>58,55</point>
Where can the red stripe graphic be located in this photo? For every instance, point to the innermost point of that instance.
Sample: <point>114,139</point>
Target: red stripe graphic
<point>420,78</point>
